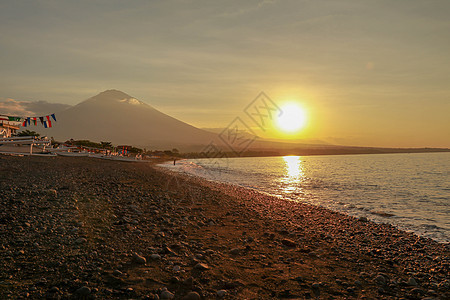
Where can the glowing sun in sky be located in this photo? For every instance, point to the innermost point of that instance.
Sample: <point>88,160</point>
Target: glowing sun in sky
<point>292,119</point>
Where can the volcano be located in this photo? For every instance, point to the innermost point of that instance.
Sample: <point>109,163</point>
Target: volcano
<point>119,118</point>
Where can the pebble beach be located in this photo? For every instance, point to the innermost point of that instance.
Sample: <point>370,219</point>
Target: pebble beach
<point>85,228</point>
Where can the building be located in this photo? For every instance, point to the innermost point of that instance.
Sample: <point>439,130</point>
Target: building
<point>7,129</point>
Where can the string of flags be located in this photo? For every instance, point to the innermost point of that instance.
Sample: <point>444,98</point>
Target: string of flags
<point>46,121</point>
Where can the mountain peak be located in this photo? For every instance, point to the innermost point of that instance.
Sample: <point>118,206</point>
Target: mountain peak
<point>113,96</point>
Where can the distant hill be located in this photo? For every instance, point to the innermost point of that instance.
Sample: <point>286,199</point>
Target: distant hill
<point>113,116</point>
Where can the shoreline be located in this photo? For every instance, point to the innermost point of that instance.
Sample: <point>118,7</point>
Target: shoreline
<point>376,215</point>
<point>126,230</point>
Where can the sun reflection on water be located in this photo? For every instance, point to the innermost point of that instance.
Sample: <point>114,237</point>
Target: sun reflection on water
<point>293,175</point>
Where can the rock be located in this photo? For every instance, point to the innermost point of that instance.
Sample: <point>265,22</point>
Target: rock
<point>412,282</point>
<point>417,292</point>
<point>117,273</point>
<point>166,295</point>
<point>188,283</point>
<point>443,285</point>
<point>192,296</point>
<point>221,293</point>
<point>380,280</point>
<point>169,251</point>
<point>54,289</point>
<point>83,291</point>
<point>201,267</point>
<point>80,241</point>
<point>176,268</point>
<point>234,251</point>
<point>51,193</point>
<point>153,297</point>
<point>288,243</point>
<point>316,288</point>
<point>285,294</point>
<point>155,256</point>
<point>139,259</point>
<point>312,254</point>
<point>174,280</point>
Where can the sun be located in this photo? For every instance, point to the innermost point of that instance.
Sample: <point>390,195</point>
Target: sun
<point>292,118</point>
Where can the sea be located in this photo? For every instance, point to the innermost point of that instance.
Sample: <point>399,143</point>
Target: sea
<point>410,191</point>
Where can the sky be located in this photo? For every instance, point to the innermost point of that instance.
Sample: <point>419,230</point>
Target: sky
<point>367,73</point>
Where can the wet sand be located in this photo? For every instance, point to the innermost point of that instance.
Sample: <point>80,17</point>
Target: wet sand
<point>85,228</point>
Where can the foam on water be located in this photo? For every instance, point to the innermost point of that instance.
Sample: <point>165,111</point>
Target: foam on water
<point>411,191</point>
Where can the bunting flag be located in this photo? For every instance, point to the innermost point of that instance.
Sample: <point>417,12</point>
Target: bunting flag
<point>14,119</point>
<point>49,122</point>
<point>26,121</point>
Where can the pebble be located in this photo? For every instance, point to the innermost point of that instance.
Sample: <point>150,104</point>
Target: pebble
<point>139,259</point>
<point>417,291</point>
<point>174,280</point>
<point>380,280</point>
<point>412,282</point>
<point>155,256</point>
<point>288,243</point>
<point>166,295</point>
<point>234,251</point>
<point>83,291</point>
<point>443,285</point>
<point>189,282</point>
<point>176,268</point>
<point>80,241</point>
<point>201,267</point>
<point>192,296</point>
<point>52,193</point>
<point>221,293</point>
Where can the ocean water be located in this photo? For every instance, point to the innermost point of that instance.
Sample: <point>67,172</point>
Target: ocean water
<point>411,191</point>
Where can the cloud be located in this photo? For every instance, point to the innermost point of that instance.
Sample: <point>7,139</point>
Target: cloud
<point>29,108</point>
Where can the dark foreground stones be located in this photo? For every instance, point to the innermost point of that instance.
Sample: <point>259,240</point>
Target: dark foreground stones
<point>81,228</point>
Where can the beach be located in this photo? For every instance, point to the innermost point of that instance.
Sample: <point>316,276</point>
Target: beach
<point>84,228</point>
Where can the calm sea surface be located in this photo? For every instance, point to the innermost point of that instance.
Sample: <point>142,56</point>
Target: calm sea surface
<point>411,191</point>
